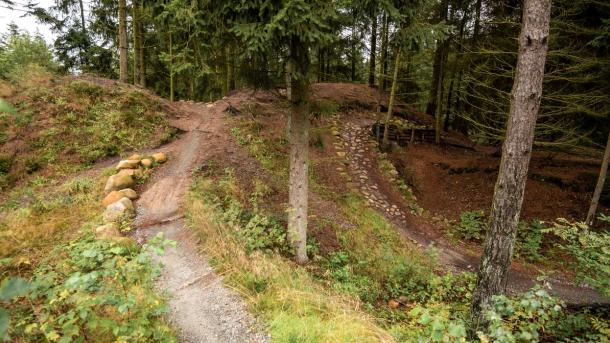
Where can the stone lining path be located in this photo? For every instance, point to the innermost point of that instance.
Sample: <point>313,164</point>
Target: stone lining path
<point>354,143</point>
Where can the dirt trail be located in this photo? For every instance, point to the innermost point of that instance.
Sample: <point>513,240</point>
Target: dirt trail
<point>360,151</point>
<point>201,307</point>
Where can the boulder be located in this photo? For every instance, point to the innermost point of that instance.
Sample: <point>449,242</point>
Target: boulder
<point>129,193</point>
<point>118,210</point>
<point>115,196</point>
<point>128,164</point>
<point>159,157</point>
<point>118,181</point>
<point>146,162</point>
<point>107,231</point>
<point>137,173</point>
<point>135,157</point>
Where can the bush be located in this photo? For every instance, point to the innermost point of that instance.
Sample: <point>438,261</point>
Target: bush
<point>98,288</point>
<point>20,51</point>
<point>590,249</point>
<point>472,225</point>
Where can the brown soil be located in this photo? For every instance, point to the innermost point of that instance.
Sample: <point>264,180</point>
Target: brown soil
<point>450,180</point>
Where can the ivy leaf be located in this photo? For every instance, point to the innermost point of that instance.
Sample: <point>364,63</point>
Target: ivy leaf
<point>13,287</point>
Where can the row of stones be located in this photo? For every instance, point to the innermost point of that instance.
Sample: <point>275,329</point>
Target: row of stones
<point>120,194</point>
<point>354,143</point>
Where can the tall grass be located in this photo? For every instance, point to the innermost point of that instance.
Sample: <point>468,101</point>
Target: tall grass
<point>295,306</point>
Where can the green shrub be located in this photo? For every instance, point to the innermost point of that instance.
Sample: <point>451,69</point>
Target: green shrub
<point>472,225</point>
<point>97,288</point>
<point>529,240</point>
<point>590,249</point>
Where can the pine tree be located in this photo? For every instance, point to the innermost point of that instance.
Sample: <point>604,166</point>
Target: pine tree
<point>516,153</point>
<point>294,26</point>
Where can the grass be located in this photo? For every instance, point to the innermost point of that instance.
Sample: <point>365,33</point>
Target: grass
<point>296,307</point>
<point>37,216</point>
<point>64,125</point>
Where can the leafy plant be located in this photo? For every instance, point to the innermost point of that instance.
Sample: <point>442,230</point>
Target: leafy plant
<point>472,225</point>
<point>590,249</point>
<point>99,288</point>
<point>521,319</point>
<point>10,288</point>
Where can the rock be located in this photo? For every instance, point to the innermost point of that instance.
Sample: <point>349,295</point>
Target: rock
<point>137,173</point>
<point>118,181</point>
<point>107,231</point>
<point>129,193</point>
<point>115,196</point>
<point>112,197</point>
<point>393,304</point>
<point>128,164</point>
<point>135,157</point>
<point>159,157</point>
<point>118,210</point>
<point>146,162</point>
<point>341,153</point>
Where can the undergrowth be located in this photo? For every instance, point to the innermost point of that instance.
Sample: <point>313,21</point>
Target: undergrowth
<point>394,284</point>
<point>93,290</point>
<point>63,125</point>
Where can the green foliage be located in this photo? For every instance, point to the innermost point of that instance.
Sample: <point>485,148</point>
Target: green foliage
<point>522,319</point>
<point>10,288</point>
<point>472,225</point>
<point>258,231</point>
<point>97,288</point>
<point>590,249</point>
<point>20,51</point>
<point>529,240</point>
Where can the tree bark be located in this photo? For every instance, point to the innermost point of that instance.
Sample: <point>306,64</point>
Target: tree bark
<point>599,187</point>
<point>516,153</point>
<point>439,105</point>
<point>299,145</point>
<point>135,18</point>
<point>388,116</point>
<point>384,53</point>
<point>122,41</point>
<point>477,22</point>
<point>171,69</point>
<point>141,55</point>
<point>439,55</point>
<point>373,50</point>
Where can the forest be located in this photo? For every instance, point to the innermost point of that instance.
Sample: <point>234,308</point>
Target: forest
<point>305,171</point>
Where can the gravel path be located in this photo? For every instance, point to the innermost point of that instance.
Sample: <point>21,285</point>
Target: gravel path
<point>202,309</point>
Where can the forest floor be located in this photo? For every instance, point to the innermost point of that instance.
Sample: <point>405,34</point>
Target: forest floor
<point>359,198</point>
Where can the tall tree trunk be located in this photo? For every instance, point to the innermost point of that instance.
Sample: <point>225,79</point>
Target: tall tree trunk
<point>384,53</point>
<point>141,55</point>
<point>373,50</point>
<point>171,69</point>
<point>386,141</point>
<point>320,64</point>
<point>439,55</point>
<point>353,43</point>
<point>82,16</point>
<point>135,22</point>
<point>299,146</point>
<point>516,153</point>
<point>439,105</point>
<point>599,187</point>
<point>477,22</point>
<point>122,41</point>
<point>230,76</point>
